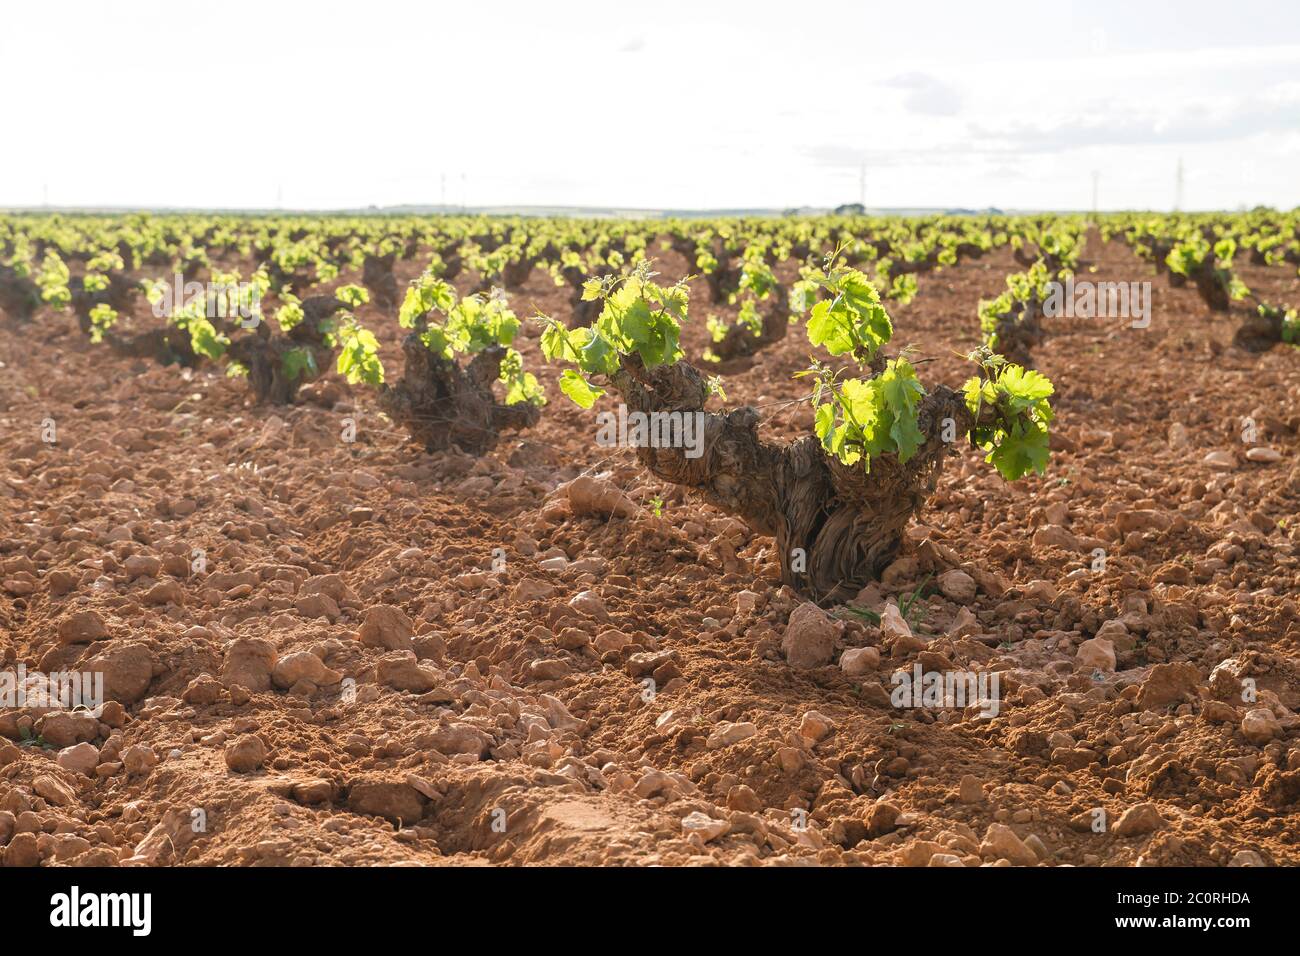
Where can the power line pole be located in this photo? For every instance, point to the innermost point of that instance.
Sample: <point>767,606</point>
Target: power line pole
<point>1178,186</point>
<point>862,185</point>
<point>1096,176</point>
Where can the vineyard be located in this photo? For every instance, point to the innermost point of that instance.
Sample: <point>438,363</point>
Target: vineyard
<point>841,539</point>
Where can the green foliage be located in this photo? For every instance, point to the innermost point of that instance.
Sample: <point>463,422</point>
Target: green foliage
<point>290,314</point>
<point>861,419</point>
<point>296,362</point>
<point>205,339</point>
<point>53,281</point>
<point>521,386</point>
<point>852,321</point>
<point>903,289</point>
<point>358,353</point>
<point>640,317</point>
<point>353,296</point>
<point>1015,435</point>
<point>102,318</point>
<point>426,294</point>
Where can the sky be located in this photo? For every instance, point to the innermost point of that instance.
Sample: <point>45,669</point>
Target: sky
<point>708,104</point>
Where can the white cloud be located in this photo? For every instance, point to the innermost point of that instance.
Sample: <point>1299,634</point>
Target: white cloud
<point>926,94</point>
<point>726,104</point>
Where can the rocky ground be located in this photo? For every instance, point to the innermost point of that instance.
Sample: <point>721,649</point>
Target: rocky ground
<point>331,652</point>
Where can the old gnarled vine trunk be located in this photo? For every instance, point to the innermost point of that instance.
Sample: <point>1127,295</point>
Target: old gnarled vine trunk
<point>1019,332</point>
<point>442,404</point>
<point>836,527</point>
<point>1258,333</point>
<point>263,353</point>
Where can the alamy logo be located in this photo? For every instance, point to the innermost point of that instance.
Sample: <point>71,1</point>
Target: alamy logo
<point>1085,299</point>
<point>628,429</point>
<point>58,690</point>
<point>216,300</point>
<point>946,689</point>
<point>74,909</point>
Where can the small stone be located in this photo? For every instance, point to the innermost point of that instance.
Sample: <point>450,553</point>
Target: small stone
<point>704,826</point>
<point>790,759</point>
<point>63,728</point>
<point>957,586</point>
<point>1246,858</point>
<point>22,851</point>
<point>589,603</point>
<point>815,726</point>
<point>303,665</point>
<point>202,691</point>
<point>1220,460</point>
<point>127,670</point>
<point>1168,684</point>
<point>551,668</point>
<point>245,754</point>
<point>1038,846</point>
<point>611,640</point>
<point>402,671</point>
<point>591,495</point>
<point>857,661</point>
<point>1096,654</point>
<point>314,790</point>
<point>653,783</point>
<point>726,734</point>
<point>1139,819</point>
<point>458,739</point>
<point>79,758</point>
<point>743,799</point>
<point>881,818</point>
<point>387,627</point>
<point>82,627</point>
<point>1260,726</point>
<point>248,663</point>
<point>971,789</point>
<point>139,758</point>
<point>400,803</point>
<point>530,589</point>
<point>165,592</point>
<point>1264,455</point>
<point>54,790</point>
<point>644,663</point>
<point>1000,841</point>
<point>893,625</point>
<point>142,566</point>
<point>919,852</point>
<point>964,624</point>
<point>1054,536</point>
<point>809,639</point>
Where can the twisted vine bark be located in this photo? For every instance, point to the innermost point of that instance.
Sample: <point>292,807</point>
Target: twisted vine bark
<point>263,353</point>
<point>836,527</point>
<point>19,295</point>
<point>377,276</point>
<point>442,404</point>
<point>166,346</point>
<point>1019,331</point>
